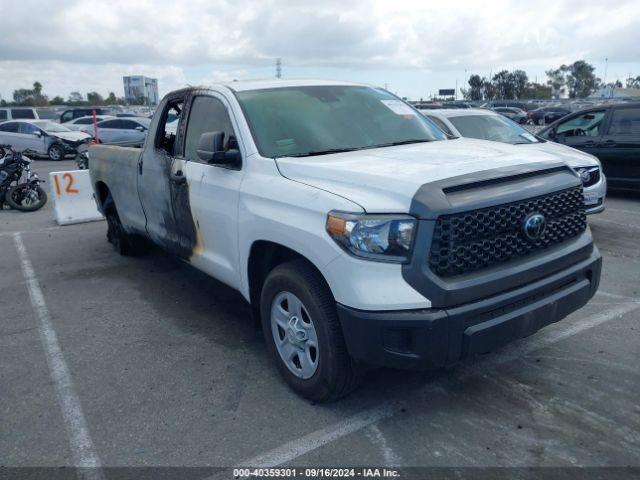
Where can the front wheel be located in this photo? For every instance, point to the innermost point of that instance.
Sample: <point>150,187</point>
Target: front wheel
<point>303,333</point>
<point>55,152</point>
<point>26,197</point>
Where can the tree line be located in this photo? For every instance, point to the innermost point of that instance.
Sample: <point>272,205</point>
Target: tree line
<point>576,80</point>
<point>34,97</point>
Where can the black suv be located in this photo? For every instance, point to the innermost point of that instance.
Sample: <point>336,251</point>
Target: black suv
<point>611,133</point>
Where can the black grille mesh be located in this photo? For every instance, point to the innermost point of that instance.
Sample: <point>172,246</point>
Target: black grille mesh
<point>469,241</point>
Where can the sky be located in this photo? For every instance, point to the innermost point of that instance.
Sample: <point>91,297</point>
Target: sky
<point>413,48</point>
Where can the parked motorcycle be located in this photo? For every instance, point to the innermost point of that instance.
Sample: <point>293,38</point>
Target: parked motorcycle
<point>82,158</point>
<point>19,186</point>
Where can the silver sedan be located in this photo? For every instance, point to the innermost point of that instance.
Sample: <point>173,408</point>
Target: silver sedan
<point>130,132</point>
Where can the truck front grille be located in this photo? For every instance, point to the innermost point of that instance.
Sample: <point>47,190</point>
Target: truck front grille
<point>469,241</point>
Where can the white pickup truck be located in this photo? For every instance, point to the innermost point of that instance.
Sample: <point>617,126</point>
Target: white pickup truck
<point>357,231</point>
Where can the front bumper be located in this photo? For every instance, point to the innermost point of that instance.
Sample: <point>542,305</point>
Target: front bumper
<point>432,338</point>
<point>596,194</point>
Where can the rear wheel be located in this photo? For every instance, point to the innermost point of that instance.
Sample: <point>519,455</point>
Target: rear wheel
<point>26,197</point>
<point>124,243</point>
<point>55,152</point>
<point>303,333</point>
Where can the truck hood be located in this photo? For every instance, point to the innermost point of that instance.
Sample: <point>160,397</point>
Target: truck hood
<point>386,179</point>
<point>573,157</point>
<point>71,136</point>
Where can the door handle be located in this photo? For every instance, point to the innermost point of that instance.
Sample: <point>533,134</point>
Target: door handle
<point>178,178</point>
<point>589,144</point>
<point>609,144</point>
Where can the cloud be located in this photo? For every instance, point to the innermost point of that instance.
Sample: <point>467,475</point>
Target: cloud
<point>101,40</point>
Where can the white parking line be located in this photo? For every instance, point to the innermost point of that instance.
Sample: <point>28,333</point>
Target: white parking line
<point>300,446</point>
<point>377,437</point>
<point>609,209</point>
<point>624,225</point>
<point>616,296</point>
<point>84,455</point>
<point>543,341</point>
<point>39,230</point>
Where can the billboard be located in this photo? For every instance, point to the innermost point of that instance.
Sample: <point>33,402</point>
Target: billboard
<point>447,92</point>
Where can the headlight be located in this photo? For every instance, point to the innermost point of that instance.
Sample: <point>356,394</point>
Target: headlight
<point>385,238</point>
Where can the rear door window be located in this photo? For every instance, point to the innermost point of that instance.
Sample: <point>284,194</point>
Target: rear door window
<point>22,113</point>
<point>9,127</point>
<point>3,115</point>
<point>625,121</point>
<point>128,124</point>
<point>110,124</point>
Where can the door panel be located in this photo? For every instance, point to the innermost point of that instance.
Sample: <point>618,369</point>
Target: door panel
<point>160,188</point>
<point>29,139</point>
<point>620,148</point>
<point>213,193</point>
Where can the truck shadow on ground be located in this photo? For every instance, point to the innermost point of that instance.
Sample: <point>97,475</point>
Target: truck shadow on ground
<point>200,305</point>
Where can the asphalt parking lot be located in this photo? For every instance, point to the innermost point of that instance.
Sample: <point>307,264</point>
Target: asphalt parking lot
<point>164,367</point>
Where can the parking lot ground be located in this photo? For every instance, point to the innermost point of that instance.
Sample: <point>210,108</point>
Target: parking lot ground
<point>166,368</point>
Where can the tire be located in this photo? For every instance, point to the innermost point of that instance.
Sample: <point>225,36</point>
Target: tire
<point>15,198</point>
<point>124,243</point>
<point>335,374</point>
<point>55,152</point>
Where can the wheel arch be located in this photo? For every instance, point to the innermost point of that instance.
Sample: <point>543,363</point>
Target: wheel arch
<point>102,193</point>
<point>264,256</point>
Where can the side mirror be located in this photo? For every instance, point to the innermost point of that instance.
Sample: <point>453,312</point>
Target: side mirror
<point>38,133</point>
<point>140,128</point>
<point>551,134</point>
<point>211,150</point>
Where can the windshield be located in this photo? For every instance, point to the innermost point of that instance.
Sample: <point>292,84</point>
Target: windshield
<point>305,121</point>
<point>492,127</point>
<point>52,127</point>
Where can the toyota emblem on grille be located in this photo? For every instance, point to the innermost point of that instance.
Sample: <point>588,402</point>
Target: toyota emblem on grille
<point>534,226</point>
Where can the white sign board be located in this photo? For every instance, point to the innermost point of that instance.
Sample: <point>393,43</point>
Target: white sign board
<point>73,197</point>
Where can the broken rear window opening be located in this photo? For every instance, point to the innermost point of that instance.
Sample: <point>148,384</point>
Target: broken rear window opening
<point>315,120</point>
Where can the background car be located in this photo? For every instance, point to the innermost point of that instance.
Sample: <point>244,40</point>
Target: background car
<point>129,132</point>
<point>18,113</point>
<point>82,122</point>
<point>487,125</point>
<point>522,105</point>
<point>43,137</point>
<point>609,132</point>
<point>544,115</point>
<point>516,114</point>
<point>72,113</point>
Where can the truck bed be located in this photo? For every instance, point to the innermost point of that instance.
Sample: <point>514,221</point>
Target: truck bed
<point>116,168</point>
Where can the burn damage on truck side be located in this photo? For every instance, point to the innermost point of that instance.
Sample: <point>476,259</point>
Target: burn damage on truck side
<point>151,199</point>
<point>178,234</point>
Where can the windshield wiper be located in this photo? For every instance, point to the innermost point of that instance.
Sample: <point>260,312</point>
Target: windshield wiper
<point>353,149</point>
<point>325,152</point>
<point>402,142</point>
